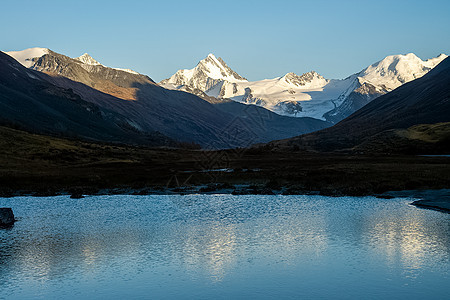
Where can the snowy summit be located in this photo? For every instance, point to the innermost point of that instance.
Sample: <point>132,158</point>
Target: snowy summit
<point>27,57</point>
<point>306,95</point>
<point>87,59</point>
<point>208,74</point>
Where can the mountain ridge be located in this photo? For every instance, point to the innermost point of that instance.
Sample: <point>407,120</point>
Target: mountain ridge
<point>178,115</point>
<point>310,94</point>
<point>425,100</point>
<point>28,100</point>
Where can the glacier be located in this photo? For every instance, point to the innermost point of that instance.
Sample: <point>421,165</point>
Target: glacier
<point>306,95</point>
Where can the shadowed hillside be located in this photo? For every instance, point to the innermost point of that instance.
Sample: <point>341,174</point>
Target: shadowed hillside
<point>179,115</point>
<point>29,101</point>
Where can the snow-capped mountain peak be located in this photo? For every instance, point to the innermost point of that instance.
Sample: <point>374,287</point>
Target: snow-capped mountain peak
<point>29,57</point>
<point>433,62</point>
<point>306,95</point>
<point>26,57</point>
<point>216,68</point>
<point>310,79</point>
<point>211,56</point>
<point>395,70</point>
<point>87,59</point>
<point>208,75</point>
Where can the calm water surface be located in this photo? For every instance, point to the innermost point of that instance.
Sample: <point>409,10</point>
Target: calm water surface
<point>223,246</point>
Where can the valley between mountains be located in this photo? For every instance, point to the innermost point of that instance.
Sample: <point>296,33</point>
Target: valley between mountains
<point>74,124</point>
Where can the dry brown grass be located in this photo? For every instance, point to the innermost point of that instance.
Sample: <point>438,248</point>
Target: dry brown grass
<point>41,163</point>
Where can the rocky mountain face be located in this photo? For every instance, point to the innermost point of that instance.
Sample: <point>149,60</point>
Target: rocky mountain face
<point>306,95</point>
<point>87,70</point>
<point>308,80</point>
<point>391,120</point>
<point>28,100</point>
<point>86,59</point>
<point>149,107</point>
<point>362,95</point>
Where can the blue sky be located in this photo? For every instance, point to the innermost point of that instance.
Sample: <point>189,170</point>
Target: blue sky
<point>258,39</point>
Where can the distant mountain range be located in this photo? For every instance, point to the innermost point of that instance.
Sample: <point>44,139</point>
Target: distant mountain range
<point>131,107</point>
<point>211,105</point>
<point>307,95</point>
<point>414,119</point>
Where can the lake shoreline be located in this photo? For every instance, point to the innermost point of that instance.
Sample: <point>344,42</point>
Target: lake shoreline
<point>434,199</point>
<point>76,168</point>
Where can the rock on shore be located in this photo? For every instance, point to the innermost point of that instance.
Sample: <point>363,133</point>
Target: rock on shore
<point>431,199</point>
<point>6,216</point>
<point>441,205</point>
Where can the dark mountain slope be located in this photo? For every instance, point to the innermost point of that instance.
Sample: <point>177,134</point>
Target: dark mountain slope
<point>268,124</point>
<point>28,101</point>
<point>423,101</point>
<point>180,115</point>
<point>417,139</point>
<point>177,114</point>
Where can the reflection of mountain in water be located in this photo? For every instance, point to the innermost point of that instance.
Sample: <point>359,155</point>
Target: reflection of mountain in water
<point>215,238</point>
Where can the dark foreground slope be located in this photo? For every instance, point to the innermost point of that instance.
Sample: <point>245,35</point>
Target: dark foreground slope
<point>28,101</point>
<point>423,101</point>
<point>432,139</point>
<point>43,165</point>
